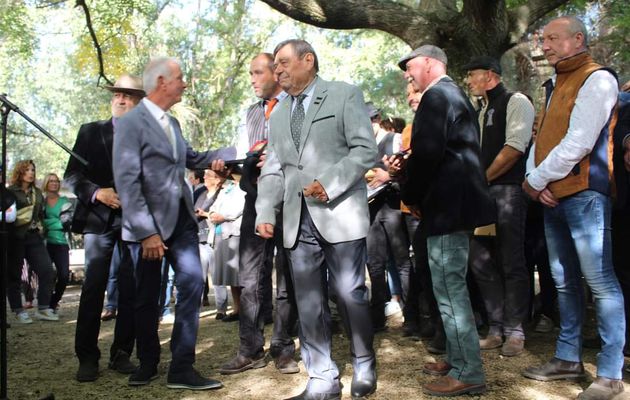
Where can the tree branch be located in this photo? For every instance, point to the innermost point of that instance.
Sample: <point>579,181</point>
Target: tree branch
<point>97,46</point>
<point>540,8</point>
<point>397,19</point>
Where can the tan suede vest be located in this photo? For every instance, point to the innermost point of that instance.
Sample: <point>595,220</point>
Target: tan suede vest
<point>554,122</point>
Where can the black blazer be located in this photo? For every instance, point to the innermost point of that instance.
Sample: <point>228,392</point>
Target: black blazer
<point>622,177</point>
<point>443,176</point>
<point>94,143</point>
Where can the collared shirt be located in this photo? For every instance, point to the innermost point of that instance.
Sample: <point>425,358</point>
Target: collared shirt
<point>160,116</point>
<point>245,141</point>
<point>310,89</point>
<point>595,100</point>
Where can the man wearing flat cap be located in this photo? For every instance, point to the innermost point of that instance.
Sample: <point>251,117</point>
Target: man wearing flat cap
<point>444,181</point>
<point>98,217</point>
<point>498,262</point>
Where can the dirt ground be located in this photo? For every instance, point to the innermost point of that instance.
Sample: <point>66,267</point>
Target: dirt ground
<point>41,361</point>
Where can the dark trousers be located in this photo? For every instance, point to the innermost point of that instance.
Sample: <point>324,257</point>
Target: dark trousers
<point>316,265</point>
<point>183,255</point>
<point>387,236</point>
<point>32,249</point>
<point>499,265</point>
<point>255,265</point>
<point>537,258</point>
<point>422,271</point>
<point>60,256</point>
<point>621,258</point>
<point>98,255</point>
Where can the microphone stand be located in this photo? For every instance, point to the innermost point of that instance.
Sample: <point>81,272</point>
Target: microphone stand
<point>5,108</point>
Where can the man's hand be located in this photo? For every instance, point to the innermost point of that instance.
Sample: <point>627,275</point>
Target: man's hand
<point>261,159</point>
<point>379,178</point>
<point>216,218</point>
<point>547,198</point>
<point>265,231</point>
<point>396,163</point>
<point>544,196</point>
<point>153,248</point>
<point>317,191</point>
<point>109,197</point>
<point>218,166</point>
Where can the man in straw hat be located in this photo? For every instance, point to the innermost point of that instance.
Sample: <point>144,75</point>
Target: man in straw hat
<point>98,217</point>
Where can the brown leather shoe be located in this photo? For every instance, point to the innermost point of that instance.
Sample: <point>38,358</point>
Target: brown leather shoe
<point>513,346</point>
<point>490,342</point>
<point>602,389</point>
<point>556,369</point>
<point>447,386</point>
<point>108,315</point>
<point>439,368</point>
<point>241,363</point>
<point>285,364</point>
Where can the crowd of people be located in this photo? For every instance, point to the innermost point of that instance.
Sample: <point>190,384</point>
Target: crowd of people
<point>454,217</point>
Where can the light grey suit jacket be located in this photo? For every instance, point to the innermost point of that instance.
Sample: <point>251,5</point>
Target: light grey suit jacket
<point>337,147</point>
<point>149,180</point>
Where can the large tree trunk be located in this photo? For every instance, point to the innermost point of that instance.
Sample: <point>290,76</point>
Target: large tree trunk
<point>481,27</point>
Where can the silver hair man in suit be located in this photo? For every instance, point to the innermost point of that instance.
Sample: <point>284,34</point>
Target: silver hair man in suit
<point>150,161</point>
<point>320,146</point>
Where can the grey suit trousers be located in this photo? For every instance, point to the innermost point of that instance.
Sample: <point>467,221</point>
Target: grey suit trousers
<point>317,265</point>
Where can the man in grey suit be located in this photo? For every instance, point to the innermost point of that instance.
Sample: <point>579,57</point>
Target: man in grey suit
<point>150,161</point>
<point>320,146</point>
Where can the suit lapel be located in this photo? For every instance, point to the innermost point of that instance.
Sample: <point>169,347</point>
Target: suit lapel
<point>319,96</point>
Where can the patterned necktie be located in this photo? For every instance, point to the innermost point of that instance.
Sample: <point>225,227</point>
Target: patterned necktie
<point>297,119</point>
<point>271,103</point>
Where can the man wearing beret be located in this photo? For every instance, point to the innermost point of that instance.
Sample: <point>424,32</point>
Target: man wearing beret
<point>444,180</point>
<point>505,121</point>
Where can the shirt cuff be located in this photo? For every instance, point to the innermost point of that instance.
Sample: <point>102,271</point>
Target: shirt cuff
<point>535,181</point>
<point>94,196</point>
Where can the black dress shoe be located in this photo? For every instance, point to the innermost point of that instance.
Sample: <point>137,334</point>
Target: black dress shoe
<point>143,375</point>
<point>88,371</point>
<point>191,380</point>
<point>121,363</point>
<point>230,317</point>
<point>315,396</point>
<point>219,316</point>
<point>363,384</point>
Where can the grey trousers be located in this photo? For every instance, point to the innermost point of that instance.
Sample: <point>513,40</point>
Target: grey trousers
<point>498,264</point>
<point>316,265</point>
<point>448,256</point>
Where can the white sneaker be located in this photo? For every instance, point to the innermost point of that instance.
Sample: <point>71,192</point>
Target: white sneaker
<point>46,315</point>
<point>23,318</point>
<point>391,308</point>
<point>168,319</point>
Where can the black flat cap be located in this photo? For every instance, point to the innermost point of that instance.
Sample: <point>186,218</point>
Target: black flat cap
<point>484,62</point>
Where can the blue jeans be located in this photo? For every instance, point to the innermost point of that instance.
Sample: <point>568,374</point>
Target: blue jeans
<point>112,281</point>
<point>579,243</point>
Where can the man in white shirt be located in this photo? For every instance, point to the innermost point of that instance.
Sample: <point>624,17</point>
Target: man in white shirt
<point>569,172</point>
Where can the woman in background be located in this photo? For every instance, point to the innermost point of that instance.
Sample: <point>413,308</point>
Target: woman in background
<point>28,243</point>
<point>57,220</point>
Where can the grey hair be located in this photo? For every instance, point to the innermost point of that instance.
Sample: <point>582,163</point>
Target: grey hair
<point>155,68</point>
<point>576,26</point>
<point>301,48</point>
